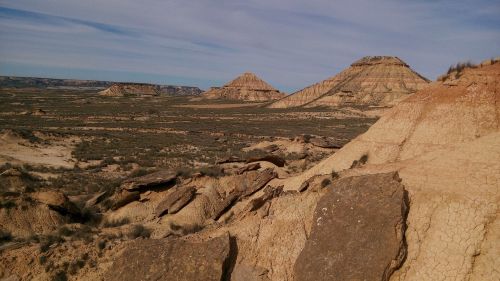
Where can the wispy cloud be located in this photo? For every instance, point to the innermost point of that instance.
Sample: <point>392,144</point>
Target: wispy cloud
<point>208,42</point>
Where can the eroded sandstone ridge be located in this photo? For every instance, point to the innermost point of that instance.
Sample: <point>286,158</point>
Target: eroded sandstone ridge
<point>120,90</point>
<point>143,90</point>
<point>377,80</point>
<point>246,87</point>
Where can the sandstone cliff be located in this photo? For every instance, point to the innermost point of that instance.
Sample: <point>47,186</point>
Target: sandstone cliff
<point>246,87</point>
<point>378,80</point>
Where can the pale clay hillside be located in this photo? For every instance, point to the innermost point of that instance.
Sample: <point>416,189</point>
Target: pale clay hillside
<point>377,80</point>
<point>311,186</point>
<point>246,87</point>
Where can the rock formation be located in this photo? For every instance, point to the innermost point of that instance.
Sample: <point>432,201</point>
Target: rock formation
<point>140,89</point>
<point>445,143</point>
<point>360,221</point>
<point>169,259</point>
<point>378,80</point>
<point>129,89</point>
<point>180,90</point>
<point>414,198</point>
<point>246,87</point>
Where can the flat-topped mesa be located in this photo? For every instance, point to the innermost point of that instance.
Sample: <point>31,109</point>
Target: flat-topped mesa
<point>372,80</point>
<point>246,87</point>
<point>131,89</point>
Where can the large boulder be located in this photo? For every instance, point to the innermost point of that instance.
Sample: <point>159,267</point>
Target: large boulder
<point>358,231</point>
<point>171,259</point>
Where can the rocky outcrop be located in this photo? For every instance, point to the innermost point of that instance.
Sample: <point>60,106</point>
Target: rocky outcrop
<point>28,218</point>
<point>275,159</point>
<point>130,89</point>
<point>358,231</point>
<point>175,200</point>
<point>247,87</point>
<point>378,80</point>
<point>169,259</point>
<point>324,143</point>
<point>57,201</point>
<point>150,181</point>
<point>180,90</point>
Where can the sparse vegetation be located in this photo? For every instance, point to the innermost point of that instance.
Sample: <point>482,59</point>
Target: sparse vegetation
<point>7,204</point>
<point>101,244</point>
<point>360,162</point>
<point>138,230</point>
<point>47,241</point>
<point>325,182</point>
<point>5,236</point>
<point>460,66</point>
<point>185,229</point>
<point>115,223</point>
<point>60,276</point>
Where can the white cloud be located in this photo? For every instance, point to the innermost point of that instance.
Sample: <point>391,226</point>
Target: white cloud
<point>290,44</point>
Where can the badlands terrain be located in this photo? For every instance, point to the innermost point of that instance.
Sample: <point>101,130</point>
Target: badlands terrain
<point>373,174</point>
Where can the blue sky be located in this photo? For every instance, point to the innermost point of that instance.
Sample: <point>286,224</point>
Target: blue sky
<point>290,44</point>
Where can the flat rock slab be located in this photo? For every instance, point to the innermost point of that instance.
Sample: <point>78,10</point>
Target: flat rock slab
<point>358,231</point>
<point>149,181</point>
<point>172,259</point>
<point>324,143</point>
<point>276,160</point>
<point>175,200</point>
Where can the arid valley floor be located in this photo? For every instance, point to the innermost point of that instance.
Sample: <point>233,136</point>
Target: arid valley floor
<point>375,173</point>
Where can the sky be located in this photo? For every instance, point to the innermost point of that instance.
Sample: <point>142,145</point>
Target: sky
<point>290,44</point>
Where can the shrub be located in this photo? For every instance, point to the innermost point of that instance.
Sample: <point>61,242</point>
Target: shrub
<point>335,175</point>
<point>139,172</point>
<point>138,230</point>
<point>185,229</point>
<point>212,171</point>
<point>83,233</point>
<point>65,231</point>
<point>60,276</point>
<point>115,223</point>
<point>42,259</point>
<point>101,244</point>
<point>325,182</point>
<point>363,159</point>
<point>5,236</point>
<point>7,204</point>
<point>184,172</point>
<point>48,241</point>
<point>90,216</point>
<point>460,66</point>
